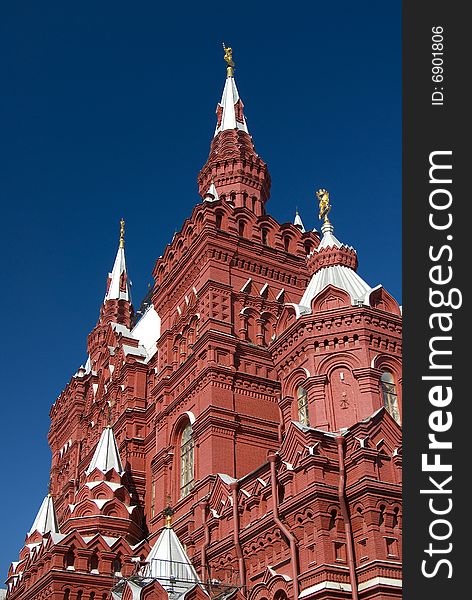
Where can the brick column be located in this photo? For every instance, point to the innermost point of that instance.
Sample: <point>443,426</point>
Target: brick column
<point>286,408</point>
<point>368,379</point>
<point>315,387</point>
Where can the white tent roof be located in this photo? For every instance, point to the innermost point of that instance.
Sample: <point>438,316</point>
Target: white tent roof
<point>106,454</point>
<point>45,521</point>
<point>169,564</point>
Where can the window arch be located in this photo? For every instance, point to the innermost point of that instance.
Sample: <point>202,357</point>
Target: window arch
<point>186,461</point>
<point>302,398</point>
<point>389,395</point>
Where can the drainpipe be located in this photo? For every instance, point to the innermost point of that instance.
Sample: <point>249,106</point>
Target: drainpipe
<point>237,543</point>
<point>206,541</point>
<point>346,517</point>
<point>286,532</point>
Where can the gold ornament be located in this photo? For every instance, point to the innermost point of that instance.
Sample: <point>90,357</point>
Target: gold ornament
<point>122,233</point>
<point>325,206</point>
<point>229,61</point>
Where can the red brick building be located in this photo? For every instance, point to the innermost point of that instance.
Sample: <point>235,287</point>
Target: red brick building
<point>257,392</point>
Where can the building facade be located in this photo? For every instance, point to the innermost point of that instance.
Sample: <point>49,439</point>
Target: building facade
<point>254,401</point>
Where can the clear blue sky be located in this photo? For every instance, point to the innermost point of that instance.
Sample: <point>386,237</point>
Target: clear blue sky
<point>107,110</point>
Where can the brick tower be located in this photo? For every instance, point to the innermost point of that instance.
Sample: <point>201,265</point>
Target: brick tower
<point>254,400</point>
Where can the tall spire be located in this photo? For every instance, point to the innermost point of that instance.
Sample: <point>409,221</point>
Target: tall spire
<point>106,454</point>
<point>230,109</point>
<point>45,521</point>
<point>233,165</point>
<point>118,284</point>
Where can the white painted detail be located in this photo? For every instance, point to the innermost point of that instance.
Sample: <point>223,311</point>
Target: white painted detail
<point>325,585</point>
<point>246,286</point>
<point>380,581</point>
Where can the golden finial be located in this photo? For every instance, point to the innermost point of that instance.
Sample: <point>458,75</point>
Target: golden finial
<point>229,61</point>
<point>325,206</point>
<point>168,514</point>
<point>122,233</point>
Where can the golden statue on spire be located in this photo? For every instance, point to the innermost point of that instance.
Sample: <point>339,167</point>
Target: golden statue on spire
<point>122,233</point>
<point>325,206</point>
<point>229,61</point>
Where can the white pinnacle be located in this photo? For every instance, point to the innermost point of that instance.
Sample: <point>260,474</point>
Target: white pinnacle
<point>212,194</point>
<point>229,99</point>
<point>119,288</point>
<point>298,222</point>
<point>106,454</point>
<point>45,521</point>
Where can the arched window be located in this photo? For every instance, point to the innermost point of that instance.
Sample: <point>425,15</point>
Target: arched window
<point>389,395</point>
<point>186,461</point>
<point>265,237</point>
<point>241,226</point>
<point>302,397</point>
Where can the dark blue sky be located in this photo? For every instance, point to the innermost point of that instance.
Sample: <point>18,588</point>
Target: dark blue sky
<point>107,110</point>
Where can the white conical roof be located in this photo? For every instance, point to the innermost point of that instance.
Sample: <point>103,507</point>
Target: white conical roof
<point>45,521</point>
<point>106,454</point>
<point>115,291</point>
<point>228,100</point>
<point>169,564</point>
<point>298,222</point>
<point>340,276</point>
